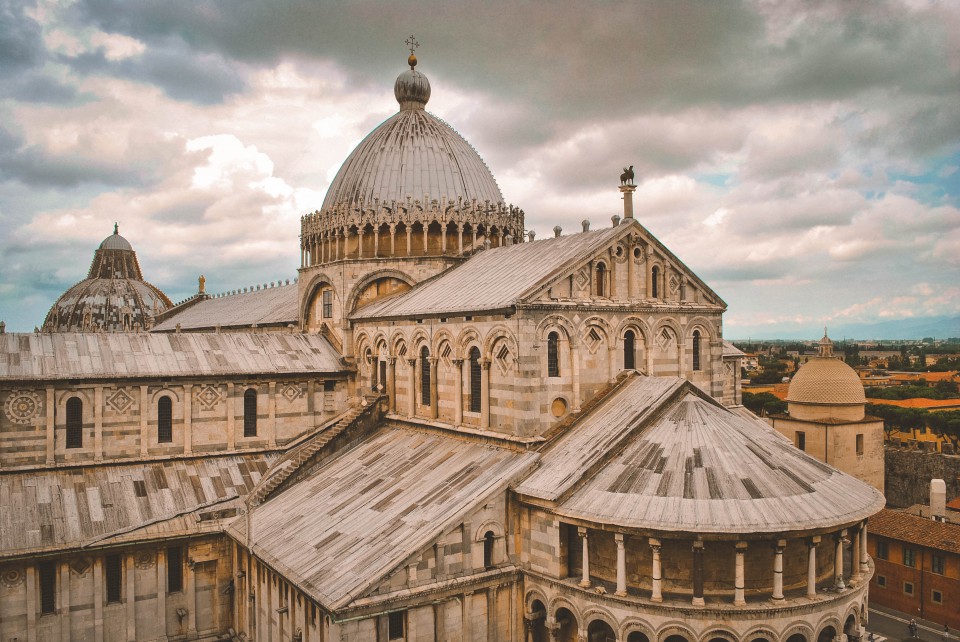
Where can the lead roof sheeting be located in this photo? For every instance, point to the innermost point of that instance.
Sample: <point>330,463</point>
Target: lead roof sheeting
<point>50,509</point>
<point>261,307</point>
<point>491,279</point>
<point>365,511</point>
<point>105,355</point>
<point>765,483</point>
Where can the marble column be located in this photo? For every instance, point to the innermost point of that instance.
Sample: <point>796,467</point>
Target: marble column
<point>656,577</point>
<point>144,414</point>
<point>855,557</point>
<point>838,560</point>
<point>412,387</point>
<point>621,564</point>
<point>739,598</point>
<point>585,577</point>
<point>458,396</point>
<point>187,419</point>
<point>392,383</point>
<point>864,564</point>
<point>812,566</point>
<point>130,598</point>
<point>484,393</point>
<point>162,592</point>
<point>64,580</point>
<point>575,370</point>
<point>611,361</point>
<point>98,423</point>
<point>778,569</point>
<point>698,573</point>
<point>434,389</point>
<point>51,426</point>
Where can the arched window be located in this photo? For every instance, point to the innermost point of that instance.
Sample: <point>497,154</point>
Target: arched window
<point>629,351</point>
<point>601,278</point>
<point>488,540</point>
<point>250,413</point>
<point>553,355</point>
<point>696,349</point>
<point>655,282</point>
<point>164,420</point>
<point>424,376</point>
<point>475,379</point>
<point>74,423</point>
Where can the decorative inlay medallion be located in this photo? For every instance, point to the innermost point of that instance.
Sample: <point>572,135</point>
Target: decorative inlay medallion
<point>582,278</point>
<point>292,391</point>
<point>12,576</point>
<point>209,396</point>
<point>674,283</point>
<point>80,566</point>
<point>665,338</point>
<point>120,401</point>
<point>23,406</point>
<point>593,339</point>
<point>144,560</point>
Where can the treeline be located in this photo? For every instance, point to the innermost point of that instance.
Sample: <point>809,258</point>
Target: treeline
<point>763,403</point>
<point>940,390</point>
<point>908,419</point>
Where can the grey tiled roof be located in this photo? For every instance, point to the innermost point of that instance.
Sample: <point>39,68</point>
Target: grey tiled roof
<point>43,510</point>
<point>269,306</point>
<point>694,466</point>
<point>112,355</point>
<point>730,350</point>
<point>367,510</point>
<point>492,279</point>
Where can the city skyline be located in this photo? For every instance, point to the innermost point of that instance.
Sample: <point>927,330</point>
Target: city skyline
<point>803,161</point>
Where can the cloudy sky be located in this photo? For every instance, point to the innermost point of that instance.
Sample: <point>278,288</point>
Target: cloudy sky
<point>801,157</point>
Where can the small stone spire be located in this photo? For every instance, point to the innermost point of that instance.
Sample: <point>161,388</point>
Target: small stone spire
<point>116,228</point>
<point>825,347</point>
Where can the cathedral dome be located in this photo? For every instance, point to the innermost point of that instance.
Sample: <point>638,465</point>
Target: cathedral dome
<point>113,297</point>
<point>412,154</point>
<point>826,387</point>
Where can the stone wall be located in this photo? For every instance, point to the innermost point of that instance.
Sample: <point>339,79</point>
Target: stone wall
<point>909,471</point>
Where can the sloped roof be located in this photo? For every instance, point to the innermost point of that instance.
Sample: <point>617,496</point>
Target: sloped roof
<point>83,506</point>
<point>109,355</point>
<point>491,279</point>
<point>366,510</point>
<point>269,306</point>
<point>689,464</point>
<point>917,530</point>
<point>730,350</point>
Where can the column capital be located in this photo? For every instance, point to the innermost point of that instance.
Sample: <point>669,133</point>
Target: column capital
<point>779,545</point>
<point>654,542</point>
<point>485,363</point>
<point>457,362</point>
<point>582,531</point>
<point>432,360</point>
<point>411,361</point>
<point>814,541</point>
<point>391,360</point>
<point>698,546</point>
<point>619,539</point>
<point>741,546</point>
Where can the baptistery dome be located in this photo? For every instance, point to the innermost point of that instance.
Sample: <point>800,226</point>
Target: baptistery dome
<point>113,297</point>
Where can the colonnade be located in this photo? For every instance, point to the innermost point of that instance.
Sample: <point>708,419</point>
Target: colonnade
<point>699,547</point>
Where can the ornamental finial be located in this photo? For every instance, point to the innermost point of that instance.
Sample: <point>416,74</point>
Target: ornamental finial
<point>412,43</point>
<point>116,228</point>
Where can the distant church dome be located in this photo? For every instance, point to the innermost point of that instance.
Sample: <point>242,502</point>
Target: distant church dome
<point>826,388</point>
<point>413,154</point>
<point>113,298</point>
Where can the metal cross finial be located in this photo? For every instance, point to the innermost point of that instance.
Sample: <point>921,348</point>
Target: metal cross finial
<point>116,227</point>
<point>412,43</point>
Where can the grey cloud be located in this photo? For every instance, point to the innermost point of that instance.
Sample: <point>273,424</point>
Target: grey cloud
<point>38,88</point>
<point>21,43</point>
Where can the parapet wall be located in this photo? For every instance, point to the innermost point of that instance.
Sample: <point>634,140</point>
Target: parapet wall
<point>909,471</point>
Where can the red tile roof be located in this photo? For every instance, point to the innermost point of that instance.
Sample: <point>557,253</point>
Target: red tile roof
<point>917,530</point>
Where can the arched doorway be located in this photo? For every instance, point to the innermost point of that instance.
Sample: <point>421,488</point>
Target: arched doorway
<point>678,638</point>
<point>538,624</point>
<point>797,637</point>
<point>851,629</point>
<point>568,626</point>
<point>600,631</point>
<point>827,634</point>
<point>637,636</point>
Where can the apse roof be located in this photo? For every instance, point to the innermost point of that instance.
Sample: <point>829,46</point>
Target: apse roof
<point>112,355</point>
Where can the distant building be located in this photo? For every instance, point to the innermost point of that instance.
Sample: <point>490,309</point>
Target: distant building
<point>826,417</point>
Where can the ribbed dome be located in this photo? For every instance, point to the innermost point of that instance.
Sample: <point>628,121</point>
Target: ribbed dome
<point>412,154</point>
<point>826,380</point>
<point>113,297</point>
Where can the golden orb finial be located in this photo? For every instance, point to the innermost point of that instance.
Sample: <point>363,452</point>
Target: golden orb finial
<point>412,43</point>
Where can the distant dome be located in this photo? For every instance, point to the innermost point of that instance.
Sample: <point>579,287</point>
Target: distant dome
<point>826,387</point>
<point>413,154</point>
<point>113,297</point>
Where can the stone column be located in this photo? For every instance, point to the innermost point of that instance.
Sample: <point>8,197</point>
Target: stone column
<point>187,419</point>
<point>812,566</point>
<point>426,230</point>
<point>231,411</point>
<point>434,389</point>
<point>459,238</point>
<point>611,361</point>
<point>738,580</point>
<point>162,592</point>
<point>98,598</point>
<point>412,387</point>
<point>621,565</point>
<point>272,413</point>
<point>484,393</point>
<point>51,426</point>
<point>864,564</point>
<point>359,242</point>
<point>64,602</point>
<point>191,588</point>
<point>130,598</point>
<point>376,241</point>
<point>392,383</point>
<point>631,271</point>
<point>409,239</point>
<point>656,578</point>
<point>838,560</point>
<point>855,557</point>
<point>393,239</point>
<point>458,397</point>
<point>575,370</point>
<point>144,414</point>
<point>443,238</point>
<point>778,569</point>
<point>585,578</point>
<point>98,423</point>
<point>698,573</point>
<point>32,606</point>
